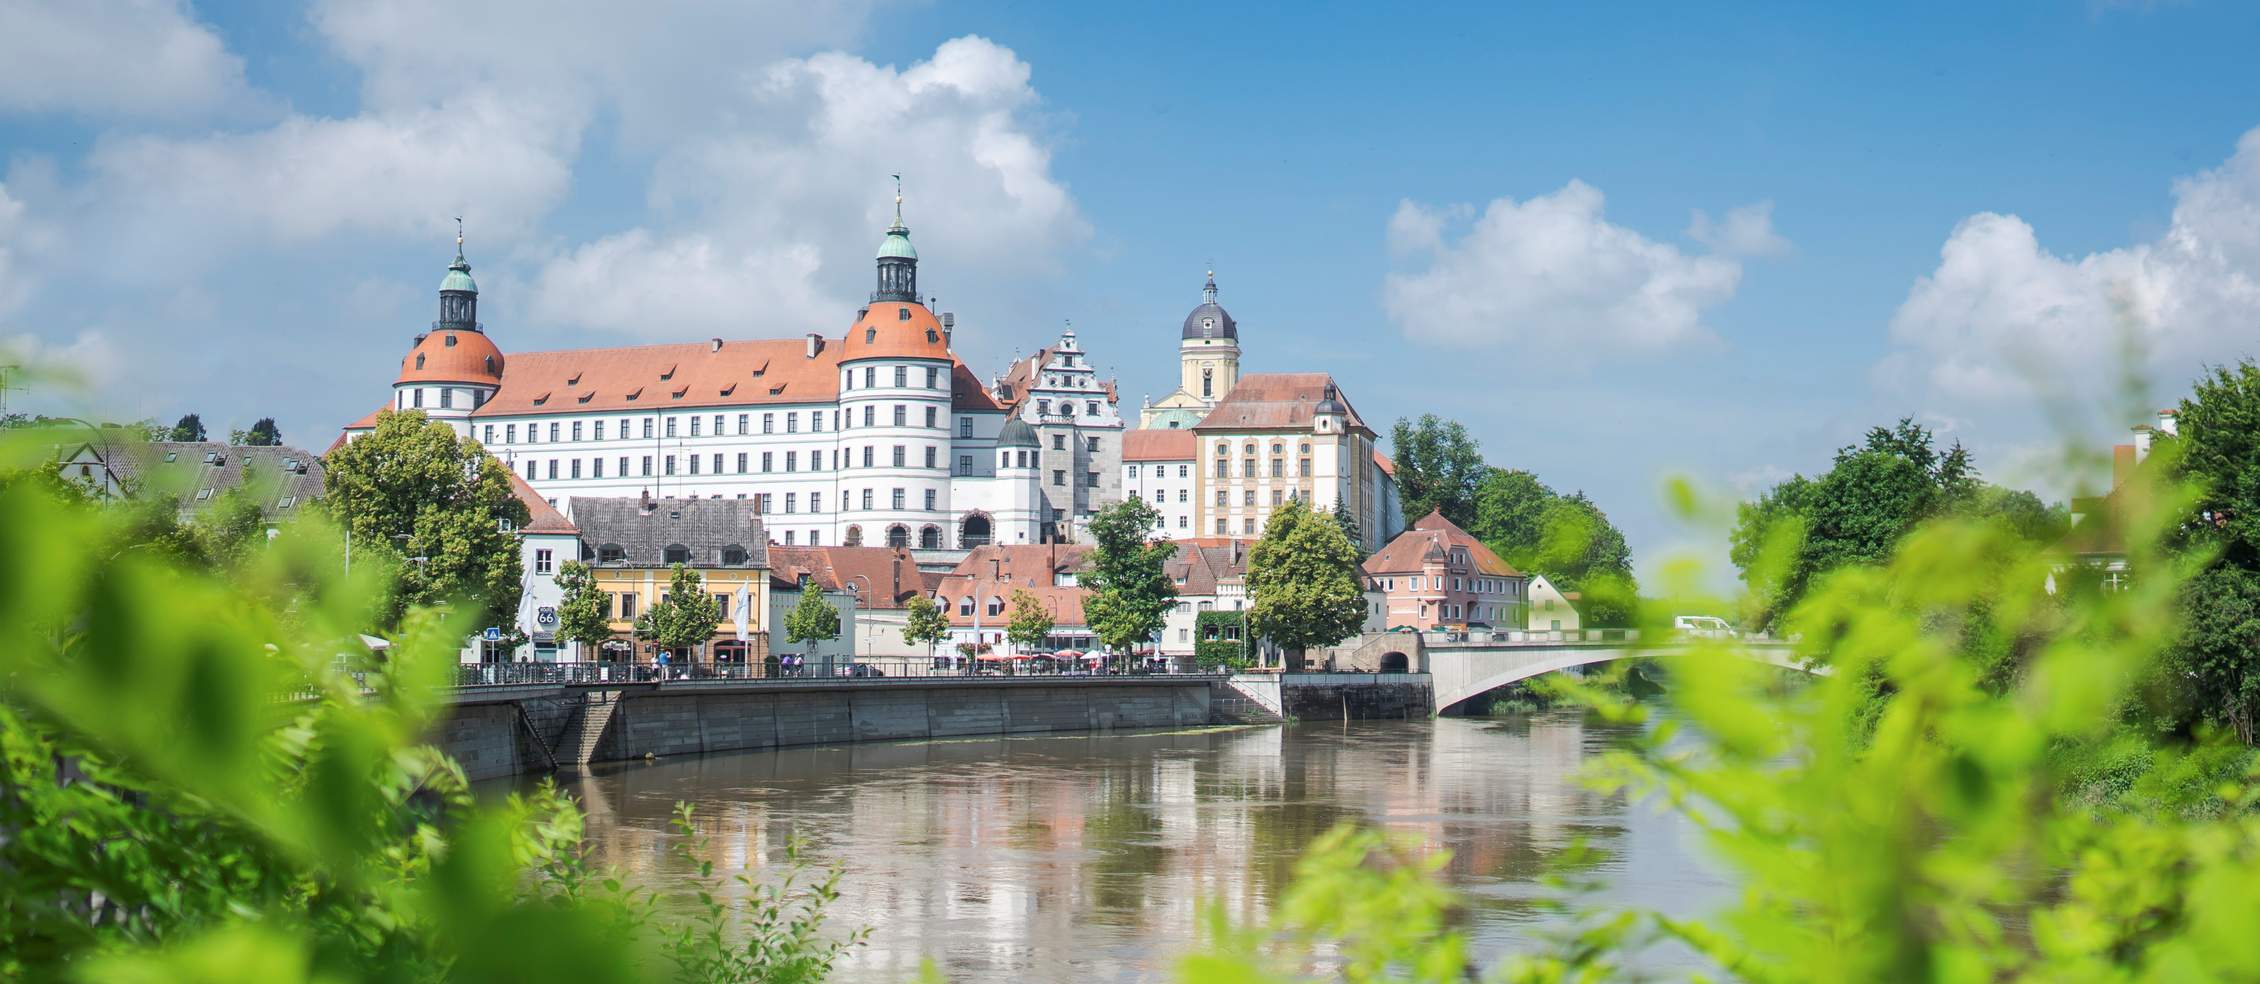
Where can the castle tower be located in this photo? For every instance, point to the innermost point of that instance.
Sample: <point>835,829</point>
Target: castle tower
<point>1208,365</point>
<point>452,369</point>
<point>895,379</point>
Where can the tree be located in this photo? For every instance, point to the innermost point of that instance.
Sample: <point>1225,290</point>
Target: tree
<point>2217,454</point>
<point>1029,623</point>
<point>581,616</point>
<point>814,619</point>
<point>190,427</point>
<point>924,623</point>
<point>1130,589</point>
<point>411,488</point>
<point>1303,576</point>
<point>1438,467</point>
<point>1349,523</point>
<point>685,619</point>
<point>263,434</point>
<point>1567,538</point>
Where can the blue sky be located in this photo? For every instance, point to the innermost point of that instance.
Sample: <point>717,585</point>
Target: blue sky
<point>1489,211</point>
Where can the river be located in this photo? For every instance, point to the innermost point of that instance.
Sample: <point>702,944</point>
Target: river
<point>1088,857</point>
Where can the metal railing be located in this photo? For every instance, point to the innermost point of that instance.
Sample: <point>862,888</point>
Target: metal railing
<point>839,668</point>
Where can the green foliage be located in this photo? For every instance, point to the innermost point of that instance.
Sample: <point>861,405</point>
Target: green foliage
<point>924,623</point>
<point>685,619</point>
<point>1567,538</point>
<point>1438,467</point>
<point>813,619</point>
<point>581,615</point>
<point>1304,581</point>
<point>410,488</point>
<point>189,427</point>
<point>1348,521</point>
<point>2218,454</point>
<point>1130,589</point>
<point>263,434</point>
<point>1028,622</point>
<point>1221,640</point>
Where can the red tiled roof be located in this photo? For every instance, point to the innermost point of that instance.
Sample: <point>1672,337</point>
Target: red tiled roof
<point>1388,467</point>
<point>1429,541</point>
<point>1158,444</point>
<point>541,516</point>
<point>881,577</point>
<point>450,356</point>
<point>896,330</point>
<point>1276,401</point>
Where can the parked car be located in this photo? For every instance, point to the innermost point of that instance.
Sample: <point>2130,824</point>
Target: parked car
<point>1704,627</point>
<point>861,671</point>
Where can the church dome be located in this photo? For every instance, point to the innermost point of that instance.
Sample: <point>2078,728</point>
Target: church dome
<point>897,245</point>
<point>1210,320</point>
<point>896,330</point>
<point>452,356</point>
<point>1017,434</point>
<point>459,277</point>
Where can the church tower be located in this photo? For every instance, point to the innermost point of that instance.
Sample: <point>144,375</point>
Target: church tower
<point>1208,365</point>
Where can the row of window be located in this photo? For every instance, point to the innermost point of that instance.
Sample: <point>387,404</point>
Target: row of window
<point>933,378</point>
<point>1248,468</point>
<point>1067,408</point>
<point>414,399</point>
<point>1160,471</point>
<point>1224,448</point>
<point>572,467</point>
<point>1436,582</point>
<point>1493,614</point>
<point>560,431</point>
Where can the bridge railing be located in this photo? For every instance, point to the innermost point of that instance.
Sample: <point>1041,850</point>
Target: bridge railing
<point>476,675</point>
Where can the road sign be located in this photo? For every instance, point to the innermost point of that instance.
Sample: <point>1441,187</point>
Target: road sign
<point>546,616</point>
<point>492,634</point>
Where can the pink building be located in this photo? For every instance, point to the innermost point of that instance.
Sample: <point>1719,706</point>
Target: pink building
<point>1438,576</point>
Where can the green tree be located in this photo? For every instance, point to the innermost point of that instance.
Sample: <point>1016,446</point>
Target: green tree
<point>1028,624</point>
<point>263,434</point>
<point>684,620</point>
<point>813,619</point>
<point>411,488</point>
<point>2217,453</point>
<point>924,623</point>
<point>1130,591</point>
<point>1567,538</point>
<point>1349,524</point>
<point>190,427</point>
<point>1304,580</point>
<point>1438,467</point>
<point>582,618</point>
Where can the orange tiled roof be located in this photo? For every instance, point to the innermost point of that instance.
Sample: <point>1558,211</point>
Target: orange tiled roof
<point>1158,444</point>
<point>1429,541</point>
<point>1385,463</point>
<point>881,577</point>
<point>450,356</point>
<point>896,330</point>
<point>541,516</point>
<point>1276,401</point>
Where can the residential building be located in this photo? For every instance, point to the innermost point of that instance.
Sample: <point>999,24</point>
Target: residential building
<point>2096,542</point>
<point>1438,576</point>
<point>1078,429</point>
<point>632,546</point>
<point>878,436</point>
<point>195,474</point>
<point>1208,366</point>
<point>977,596</point>
<point>546,541</point>
<point>1157,466</point>
<point>880,580</point>
<point>1289,435</point>
<point>1550,608</point>
<point>1210,576</point>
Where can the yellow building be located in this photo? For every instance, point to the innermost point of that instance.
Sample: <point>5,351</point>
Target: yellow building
<point>1208,366</point>
<point>632,546</point>
<point>1280,436</point>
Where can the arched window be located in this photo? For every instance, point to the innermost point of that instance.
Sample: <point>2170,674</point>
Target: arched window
<point>930,538</point>
<point>898,535</point>
<point>973,532</point>
<point>733,556</point>
<point>611,553</point>
<point>855,536</point>
<point>676,553</point>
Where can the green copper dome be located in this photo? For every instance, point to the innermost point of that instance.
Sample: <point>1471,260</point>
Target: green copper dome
<point>897,245</point>
<point>459,276</point>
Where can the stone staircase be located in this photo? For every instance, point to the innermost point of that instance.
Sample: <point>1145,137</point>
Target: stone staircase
<point>584,728</point>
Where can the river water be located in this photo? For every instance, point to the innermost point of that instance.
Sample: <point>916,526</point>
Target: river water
<point>1089,857</point>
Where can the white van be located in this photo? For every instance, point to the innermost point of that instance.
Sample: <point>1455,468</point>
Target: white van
<point>1704,627</point>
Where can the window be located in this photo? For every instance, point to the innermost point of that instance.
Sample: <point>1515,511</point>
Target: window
<point>1160,496</point>
<point>1184,521</point>
<point>815,504</point>
<point>1223,498</point>
<point>766,456</point>
<point>792,423</point>
<point>788,538</point>
<point>552,432</point>
<point>965,464</point>
<point>627,605</point>
<point>792,461</point>
<point>933,377</point>
<point>815,424</point>
<point>1059,442</point>
<point>965,605</point>
<point>446,395</point>
<point>816,460</point>
<point>576,430</point>
<point>1091,445</point>
<point>761,503</point>
<point>897,499</point>
<point>596,431</point>
<point>1223,468</point>
<point>866,498</point>
<point>1248,526</point>
<point>741,462</point>
<point>1133,471</point>
<point>1059,478</point>
<point>553,468</point>
<point>717,462</point>
<point>742,418</point>
<point>722,605</point>
<point>670,464</point>
<point>1278,468</point>
<point>792,502</point>
<point>1184,470</point>
<point>870,413</point>
<point>1248,468</point>
<point>902,415</point>
<point>931,420</point>
<point>717,425</point>
<point>902,376</point>
<point>544,563</point>
<point>930,453</point>
<point>694,464</point>
<point>647,465</point>
<point>768,423</point>
<point>1220,529</point>
<point>487,435</point>
<point>1091,407</point>
<point>930,501</point>
<point>647,427</point>
<point>1090,480</point>
<point>867,456</point>
<point>623,472</point>
<point>996,605</point>
<point>870,379</point>
<point>1043,407</point>
<point>899,456</point>
<point>510,433</point>
<point>676,553</point>
<point>1184,495</point>
<point>1248,497</point>
<point>965,427</point>
<point>575,464</point>
<point>1302,466</point>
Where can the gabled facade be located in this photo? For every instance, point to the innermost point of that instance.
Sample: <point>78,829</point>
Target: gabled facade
<point>632,545</point>
<point>1288,435</point>
<point>1438,576</point>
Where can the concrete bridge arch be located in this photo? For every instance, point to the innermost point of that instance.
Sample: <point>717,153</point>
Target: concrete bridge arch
<point>1462,672</point>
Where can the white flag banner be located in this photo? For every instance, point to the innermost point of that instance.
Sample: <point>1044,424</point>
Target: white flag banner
<point>743,608</point>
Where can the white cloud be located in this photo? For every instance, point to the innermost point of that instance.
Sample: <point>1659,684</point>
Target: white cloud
<point>15,232</point>
<point>2001,317</point>
<point>1744,231</point>
<point>1550,272</point>
<point>114,58</point>
<point>88,365</point>
<point>780,215</point>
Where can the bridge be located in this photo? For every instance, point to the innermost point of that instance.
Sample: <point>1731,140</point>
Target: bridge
<point>1463,666</point>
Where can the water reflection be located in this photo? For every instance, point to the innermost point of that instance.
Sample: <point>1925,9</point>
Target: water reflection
<point>1084,858</point>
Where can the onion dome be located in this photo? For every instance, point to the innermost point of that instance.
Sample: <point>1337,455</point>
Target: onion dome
<point>1210,321</point>
<point>459,276</point>
<point>458,293</point>
<point>1017,434</point>
<point>898,260</point>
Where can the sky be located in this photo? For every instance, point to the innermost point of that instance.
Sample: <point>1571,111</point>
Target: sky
<point>1621,242</point>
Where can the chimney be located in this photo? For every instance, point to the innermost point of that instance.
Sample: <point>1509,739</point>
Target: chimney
<point>815,344</point>
<point>2141,441</point>
<point>646,506</point>
<point>2169,422</point>
<point>898,577</point>
<point>716,343</point>
<point>949,325</point>
<point>996,568</point>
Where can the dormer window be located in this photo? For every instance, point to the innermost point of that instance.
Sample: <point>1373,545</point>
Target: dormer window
<point>902,314</point>
<point>449,339</point>
<point>870,335</point>
<point>419,360</point>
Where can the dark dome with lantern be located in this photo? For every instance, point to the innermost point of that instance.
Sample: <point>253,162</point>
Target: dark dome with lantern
<point>1210,320</point>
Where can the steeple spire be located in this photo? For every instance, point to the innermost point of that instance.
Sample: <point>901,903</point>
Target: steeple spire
<point>1208,293</point>
<point>898,260</point>
<point>898,206</point>
<point>458,293</point>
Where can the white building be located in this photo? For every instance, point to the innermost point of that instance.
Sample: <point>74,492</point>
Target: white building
<point>1157,466</point>
<point>1551,609</point>
<point>547,540</point>
<point>880,436</point>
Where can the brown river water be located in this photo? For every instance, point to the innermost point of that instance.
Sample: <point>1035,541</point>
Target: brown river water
<point>1089,857</point>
